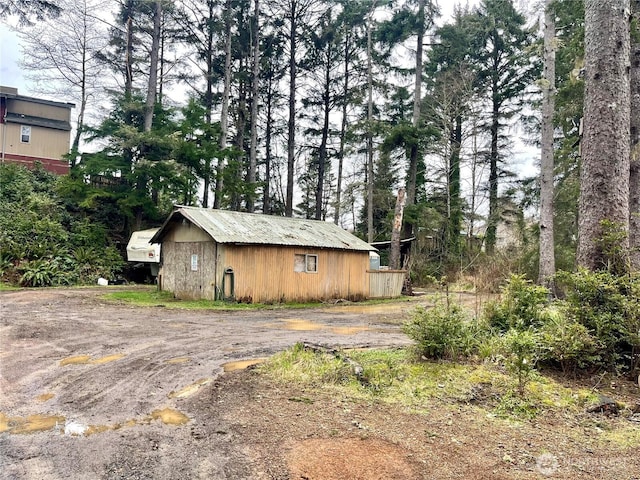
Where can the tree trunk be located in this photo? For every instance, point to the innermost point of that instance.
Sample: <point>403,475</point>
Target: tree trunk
<point>152,86</point>
<point>291,125</point>
<point>266,194</point>
<point>224,115</point>
<point>634,172</point>
<point>455,203</point>
<point>492,221</point>
<point>253,148</point>
<point>604,176</point>
<point>394,253</point>
<point>322,152</point>
<point>417,99</point>
<point>343,126</point>
<point>208,101</point>
<point>369,129</point>
<point>547,265</point>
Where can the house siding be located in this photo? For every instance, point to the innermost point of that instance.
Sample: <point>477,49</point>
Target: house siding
<point>266,274</point>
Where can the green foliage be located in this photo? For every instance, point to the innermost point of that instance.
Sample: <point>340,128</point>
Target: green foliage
<point>608,306</point>
<point>45,272</point>
<point>442,332</point>
<point>42,243</point>
<point>521,306</point>
<point>567,342</point>
<point>520,353</point>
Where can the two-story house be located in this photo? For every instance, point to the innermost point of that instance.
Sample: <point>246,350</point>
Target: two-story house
<point>34,130</point>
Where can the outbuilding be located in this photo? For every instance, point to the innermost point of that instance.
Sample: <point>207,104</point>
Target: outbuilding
<point>217,254</point>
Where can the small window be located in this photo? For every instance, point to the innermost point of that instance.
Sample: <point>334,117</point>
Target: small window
<point>25,134</point>
<point>305,263</point>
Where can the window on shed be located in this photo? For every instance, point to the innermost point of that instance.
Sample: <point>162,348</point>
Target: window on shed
<point>305,263</point>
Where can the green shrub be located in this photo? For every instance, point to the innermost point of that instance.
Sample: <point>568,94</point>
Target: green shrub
<point>520,353</point>
<point>442,332</point>
<point>568,343</point>
<point>44,272</point>
<point>521,305</point>
<point>608,306</point>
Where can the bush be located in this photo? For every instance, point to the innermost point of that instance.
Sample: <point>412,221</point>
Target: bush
<point>608,306</point>
<point>442,332</point>
<point>568,343</point>
<point>521,306</point>
<point>520,353</point>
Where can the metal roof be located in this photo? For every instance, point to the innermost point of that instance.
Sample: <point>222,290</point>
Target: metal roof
<point>255,229</point>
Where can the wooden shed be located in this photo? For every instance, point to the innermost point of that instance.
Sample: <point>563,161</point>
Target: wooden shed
<point>217,254</point>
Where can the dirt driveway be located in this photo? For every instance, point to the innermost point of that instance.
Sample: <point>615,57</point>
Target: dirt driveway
<point>92,389</point>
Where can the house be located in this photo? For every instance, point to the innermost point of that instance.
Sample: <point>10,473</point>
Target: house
<point>216,254</point>
<point>34,130</point>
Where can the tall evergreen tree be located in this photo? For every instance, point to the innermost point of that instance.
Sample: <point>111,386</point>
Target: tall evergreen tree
<point>604,175</point>
<point>501,42</point>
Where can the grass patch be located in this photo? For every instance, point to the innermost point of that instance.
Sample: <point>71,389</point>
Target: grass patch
<point>7,287</point>
<point>394,376</point>
<point>156,298</point>
<point>152,297</point>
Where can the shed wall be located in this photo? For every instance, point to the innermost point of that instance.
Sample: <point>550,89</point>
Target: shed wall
<point>178,275</point>
<point>266,273</point>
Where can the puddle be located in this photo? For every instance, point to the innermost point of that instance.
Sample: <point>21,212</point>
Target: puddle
<point>77,360</point>
<point>301,325</point>
<point>86,360</point>
<point>44,423</point>
<point>30,424</point>
<point>173,361</point>
<point>168,416</point>
<point>107,359</point>
<point>45,397</point>
<point>241,364</point>
<point>190,389</point>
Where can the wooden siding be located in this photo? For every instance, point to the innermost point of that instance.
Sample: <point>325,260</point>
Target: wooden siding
<point>266,273</point>
<point>386,283</point>
<point>177,276</point>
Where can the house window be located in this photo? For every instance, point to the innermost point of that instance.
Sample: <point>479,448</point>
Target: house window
<point>305,263</point>
<point>25,134</point>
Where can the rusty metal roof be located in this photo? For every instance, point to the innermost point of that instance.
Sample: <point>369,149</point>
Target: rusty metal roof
<point>255,229</point>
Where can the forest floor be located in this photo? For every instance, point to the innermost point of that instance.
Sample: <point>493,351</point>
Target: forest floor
<point>96,389</point>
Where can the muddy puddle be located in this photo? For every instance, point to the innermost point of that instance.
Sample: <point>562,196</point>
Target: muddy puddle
<point>87,360</point>
<point>242,364</point>
<point>190,389</point>
<point>303,325</point>
<point>58,423</point>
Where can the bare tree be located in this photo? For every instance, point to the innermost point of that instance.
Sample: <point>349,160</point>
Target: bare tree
<point>604,176</point>
<point>66,65</point>
<point>547,265</point>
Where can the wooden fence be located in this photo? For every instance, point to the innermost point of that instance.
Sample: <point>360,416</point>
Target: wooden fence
<point>386,283</point>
